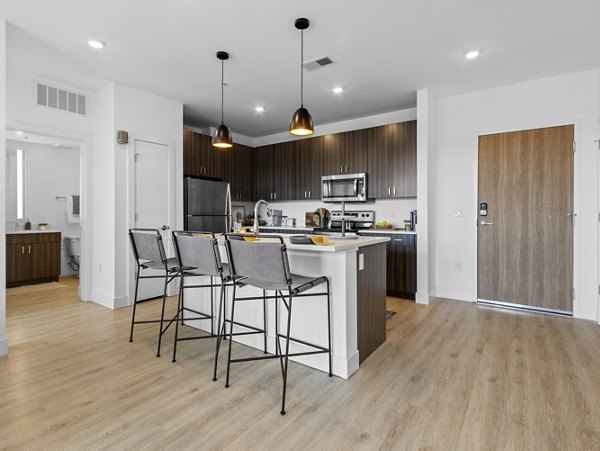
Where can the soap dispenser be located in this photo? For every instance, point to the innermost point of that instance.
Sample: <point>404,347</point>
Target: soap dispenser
<point>28,225</point>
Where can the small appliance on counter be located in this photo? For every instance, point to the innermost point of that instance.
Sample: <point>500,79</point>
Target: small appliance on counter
<point>355,221</point>
<point>277,217</point>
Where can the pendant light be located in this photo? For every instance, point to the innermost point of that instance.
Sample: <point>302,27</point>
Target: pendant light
<point>223,138</point>
<point>302,123</point>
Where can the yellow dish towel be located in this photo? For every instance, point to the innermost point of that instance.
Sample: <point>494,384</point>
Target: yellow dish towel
<point>320,240</point>
<point>250,238</point>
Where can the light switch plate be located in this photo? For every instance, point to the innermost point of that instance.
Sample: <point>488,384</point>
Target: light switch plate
<point>361,262</point>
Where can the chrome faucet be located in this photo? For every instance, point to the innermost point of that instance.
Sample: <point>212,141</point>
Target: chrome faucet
<point>256,205</point>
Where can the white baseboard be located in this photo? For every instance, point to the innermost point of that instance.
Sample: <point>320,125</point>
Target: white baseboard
<point>422,298</point>
<point>455,295</point>
<point>110,302</point>
<point>588,313</point>
<point>3,346</point>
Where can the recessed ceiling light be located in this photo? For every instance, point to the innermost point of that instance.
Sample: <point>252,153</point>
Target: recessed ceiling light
<point>472,54</point>
<point>19,133</point>
<point>95,44</point>
<point>338,90</point>
<point>259,109</point>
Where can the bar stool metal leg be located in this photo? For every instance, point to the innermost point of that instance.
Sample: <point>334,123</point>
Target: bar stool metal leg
<point>179,311</point>
<point>287,352</point>
<point>220,330</point>
<point>329,326</point>
<point>265,321</point>
<point>230,337</point>
<point>137,282</point>
<point>162,315</point>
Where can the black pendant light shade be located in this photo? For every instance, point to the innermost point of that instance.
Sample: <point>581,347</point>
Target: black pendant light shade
<point>223,138</point>
<point>302,123</point>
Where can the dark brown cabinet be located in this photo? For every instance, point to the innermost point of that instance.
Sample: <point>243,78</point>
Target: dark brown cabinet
<point>307,155</point>
<point>238,172</point>
<point>392,167</point>
<point>32,258</point>
<point>401,266</point>
<point>200,158</point>
<point>345,153</point>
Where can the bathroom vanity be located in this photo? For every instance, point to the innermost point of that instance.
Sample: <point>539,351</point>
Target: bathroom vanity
<point>32,256</point>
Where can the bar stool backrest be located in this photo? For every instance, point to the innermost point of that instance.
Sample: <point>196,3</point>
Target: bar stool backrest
<point>147,245</point>
<point>200,251</point>
<point>264,260</point>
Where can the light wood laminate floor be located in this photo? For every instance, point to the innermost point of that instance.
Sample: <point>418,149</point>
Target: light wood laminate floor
<point>450,376</point>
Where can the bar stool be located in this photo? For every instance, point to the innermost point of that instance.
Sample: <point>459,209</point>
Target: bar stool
<point>149,253</point>
<point>198,255</point>
<point>265,265</point>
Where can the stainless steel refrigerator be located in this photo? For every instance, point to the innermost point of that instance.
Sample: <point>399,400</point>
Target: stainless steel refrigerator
<point>207,205</point>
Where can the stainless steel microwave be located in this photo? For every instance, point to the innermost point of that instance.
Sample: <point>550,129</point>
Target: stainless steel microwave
<point>344,188</point>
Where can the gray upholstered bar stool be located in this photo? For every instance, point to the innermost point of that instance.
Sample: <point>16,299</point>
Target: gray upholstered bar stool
<point>198,255</point>
<point>265,265</point>
<point>149,253</point>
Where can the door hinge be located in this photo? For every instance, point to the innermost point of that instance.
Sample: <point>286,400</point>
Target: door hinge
<point>573,294</point>
<point>598,289</point>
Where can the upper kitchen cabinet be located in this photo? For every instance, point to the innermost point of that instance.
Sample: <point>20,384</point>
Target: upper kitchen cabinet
<point>308,157</point>
<point>393,160</point>
<point>238,172</point>
<point>200,158</point>
<point>274,172</point>
<point>345,153</point>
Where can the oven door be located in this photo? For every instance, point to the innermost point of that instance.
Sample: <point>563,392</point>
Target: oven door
<point>344,188</point>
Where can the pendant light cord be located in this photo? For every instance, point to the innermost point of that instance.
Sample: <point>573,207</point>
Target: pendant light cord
<point>301,68</point>
<point>222,92</point>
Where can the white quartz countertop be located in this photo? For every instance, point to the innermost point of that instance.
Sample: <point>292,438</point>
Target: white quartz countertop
<point>285,228</point>
<point>399,231</point>
<point>336,244</point>
<point>19,232</point>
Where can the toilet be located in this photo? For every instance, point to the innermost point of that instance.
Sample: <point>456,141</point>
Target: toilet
<point>72,251</point>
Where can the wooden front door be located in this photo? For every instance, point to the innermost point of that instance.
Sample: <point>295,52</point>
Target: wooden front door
<point>525,243</point>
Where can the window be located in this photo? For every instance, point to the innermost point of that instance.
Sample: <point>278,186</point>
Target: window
<point>20,184</point>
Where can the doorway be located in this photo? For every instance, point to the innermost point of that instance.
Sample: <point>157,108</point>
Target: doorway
<point>525,219</point>
<point>44,212</point>
<point>152,202</point>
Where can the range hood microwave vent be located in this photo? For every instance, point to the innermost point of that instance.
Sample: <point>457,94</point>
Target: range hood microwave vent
<point>317,63</point>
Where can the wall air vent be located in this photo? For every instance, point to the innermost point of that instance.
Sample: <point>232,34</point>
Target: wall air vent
<point>318,63</point>
<point>61,99</point>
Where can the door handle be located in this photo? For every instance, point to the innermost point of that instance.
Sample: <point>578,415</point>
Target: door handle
<point>164,227</point>
<point>483,222</point>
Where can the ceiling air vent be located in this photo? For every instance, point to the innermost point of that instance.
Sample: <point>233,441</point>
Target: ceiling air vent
<point>61,99</point>
<point>318,63</point>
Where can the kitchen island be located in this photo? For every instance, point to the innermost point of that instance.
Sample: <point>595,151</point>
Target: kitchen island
<point>356,270</point>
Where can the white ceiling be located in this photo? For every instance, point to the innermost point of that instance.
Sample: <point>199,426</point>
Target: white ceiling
<point>384,50</point>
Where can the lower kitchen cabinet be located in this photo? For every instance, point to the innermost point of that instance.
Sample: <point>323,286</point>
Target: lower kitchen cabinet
<point>401,264</point>
<point>32,258</point>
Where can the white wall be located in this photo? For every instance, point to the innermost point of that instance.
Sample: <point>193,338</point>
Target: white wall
<point>3,340</point>
<point>566,99</point>
<point>49,172</point>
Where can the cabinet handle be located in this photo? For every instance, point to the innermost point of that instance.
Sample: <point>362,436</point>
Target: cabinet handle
<point>29,249</point>
<point>341,168</point>
<point>398,239</point>
<point>22,249</point>
<point>394,190</point>
<point>346,169</point>
<point>389,191</point>
<point>275,194</point>
<point>305,194</point>
<point>309,196</point>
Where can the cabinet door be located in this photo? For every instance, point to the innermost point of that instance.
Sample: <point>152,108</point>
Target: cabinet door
<point>356,151</point>
<point>238,172</point>
<point>191,154</point>
<point>310,168</point>
<point>405,160</point>
<point>45,260</point>
<point>405,261</point>
<point>17,263</point>
<point>381,142</point>
<point>334,158</point>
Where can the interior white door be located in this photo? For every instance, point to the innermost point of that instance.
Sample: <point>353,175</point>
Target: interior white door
<point>152,202</point>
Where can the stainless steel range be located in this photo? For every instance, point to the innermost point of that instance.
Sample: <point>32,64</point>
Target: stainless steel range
<point>355,221</point>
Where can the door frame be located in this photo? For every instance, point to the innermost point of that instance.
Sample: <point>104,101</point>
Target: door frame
<point>85,141</point>
<point>576,206</point>
<point>130,148</point>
